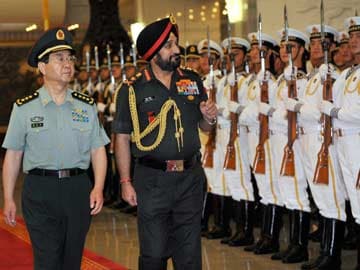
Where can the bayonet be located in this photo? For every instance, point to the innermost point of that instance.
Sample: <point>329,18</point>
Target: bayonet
<point>287,44</point>
<point>96,54</point>
<point>122,62</point>
<point>211,64</point>
<point>108,53</point>
<point>262,56</point>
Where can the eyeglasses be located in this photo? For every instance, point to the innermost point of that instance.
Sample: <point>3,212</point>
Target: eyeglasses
<point>61,58</point>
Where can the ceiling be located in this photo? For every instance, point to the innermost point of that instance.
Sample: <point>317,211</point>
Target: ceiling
<point>17,14</point>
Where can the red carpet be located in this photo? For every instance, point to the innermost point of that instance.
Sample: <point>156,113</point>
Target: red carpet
<point>16,253</point>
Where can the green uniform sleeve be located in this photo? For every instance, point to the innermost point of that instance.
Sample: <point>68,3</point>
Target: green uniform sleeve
<point>16,132</point>
<point>98,134</point>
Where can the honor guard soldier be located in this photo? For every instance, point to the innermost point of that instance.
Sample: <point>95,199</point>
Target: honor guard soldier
<point>130,69</point>
<point>141,64</point>
<point>218,198</point>
<point>192,57</point>
<point>262,82</point>
<point>289,168</point>
<point>236,163</point>
<point>346,125</point>
<point>341,56</point>
<point>56,132</point>
<point>157,120</point>
<point>328,192</point>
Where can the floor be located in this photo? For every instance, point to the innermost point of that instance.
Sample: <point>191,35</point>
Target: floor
<point>113,235</point>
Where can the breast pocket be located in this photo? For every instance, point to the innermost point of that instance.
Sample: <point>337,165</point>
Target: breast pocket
<point>82,135</point>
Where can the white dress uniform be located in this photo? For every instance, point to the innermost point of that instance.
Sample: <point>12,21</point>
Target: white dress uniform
<point>268,189</point>
<point>330,199</point>
<point>293,189</point>
<point>239,180</point>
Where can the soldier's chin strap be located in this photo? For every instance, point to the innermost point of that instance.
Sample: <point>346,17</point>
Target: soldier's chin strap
<point>160,120</point>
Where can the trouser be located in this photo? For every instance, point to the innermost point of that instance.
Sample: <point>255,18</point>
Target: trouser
<point>293,189</point>
<point>57,216</point>
<point>239,180</point>
<point>349,157</point>
<point>330,198</point>
<point>169,214</point>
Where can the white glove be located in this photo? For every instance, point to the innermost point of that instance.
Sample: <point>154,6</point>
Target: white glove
<point>235,107</point>
<point>323,70</point>
<point>207,82</point>
<point>264,108</point>
<point>101,107</point>
<point>112,107</point>
<point>231,79</point>
<point>99,87</point>
<point>326,107</point>
<point>111,87</point>
<point>263,77</point>
<point>290,71</point>
<point>291,104</point>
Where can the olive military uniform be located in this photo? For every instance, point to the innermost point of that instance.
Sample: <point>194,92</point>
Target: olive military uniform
<point>56,141</point>
<point>169,194</point>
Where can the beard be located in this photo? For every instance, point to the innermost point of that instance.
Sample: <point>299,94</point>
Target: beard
<point>168,65</point>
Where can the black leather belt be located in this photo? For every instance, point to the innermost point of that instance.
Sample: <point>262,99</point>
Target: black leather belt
<point>57,173</point>
<point>177,165</point>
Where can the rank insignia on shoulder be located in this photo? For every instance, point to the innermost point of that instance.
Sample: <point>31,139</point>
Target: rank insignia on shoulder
<point>24,100</point>
<point>83,98</point>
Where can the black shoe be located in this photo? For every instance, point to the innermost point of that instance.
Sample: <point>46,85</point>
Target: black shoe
<point>118,205</point>
<point>252,247</point>
<point>312,264</point>
<point>129,209</point>
<point>226,240</point>
<point>267,247</point>
<point>296,254</point>
<point>329,263</point>
<point>241,240</point>
<point>281,254</point>
<point>218,232</point>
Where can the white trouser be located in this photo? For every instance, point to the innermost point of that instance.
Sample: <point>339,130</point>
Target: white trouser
<point>293,189</point>
<point>215,175</point>
<point>267,184</point>
<point>239,180</point>
<point>348,147</point>
<point>330,199</point>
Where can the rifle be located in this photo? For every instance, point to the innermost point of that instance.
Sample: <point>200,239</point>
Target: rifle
<point>108,53</point>
<point>288,161</point>
<point>230,157</point>
<point>122,62</point>
<point>321,175</point>
<point>259,160</point>
<point>208,158</point>
<point>88,87</point>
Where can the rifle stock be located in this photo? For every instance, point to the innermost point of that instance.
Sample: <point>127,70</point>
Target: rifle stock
<point>208,158</point>
<point>288,161</point>
<point>230,157</point>
<point>259,160</point>
<point>321,175</point>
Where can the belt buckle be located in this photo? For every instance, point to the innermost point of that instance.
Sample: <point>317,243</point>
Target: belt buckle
<point>175,165</point>
<point>63,174</point>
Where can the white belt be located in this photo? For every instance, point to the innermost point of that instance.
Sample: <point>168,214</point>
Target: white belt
<point>223,125</point>
<point>346,132</point>
<point>275,132</point>
<point>308,130</point>
<point>250,129</point>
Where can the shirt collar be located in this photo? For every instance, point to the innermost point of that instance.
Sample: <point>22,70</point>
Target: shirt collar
<point>46,98</point>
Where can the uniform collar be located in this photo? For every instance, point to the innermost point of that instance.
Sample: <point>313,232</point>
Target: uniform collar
<point>46,98</point>
<point>148,74</point>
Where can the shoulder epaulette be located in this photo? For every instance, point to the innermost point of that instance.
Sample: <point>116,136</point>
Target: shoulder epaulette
<point>300,75</point>
<point>83,98</point>
<point>24,100</point>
